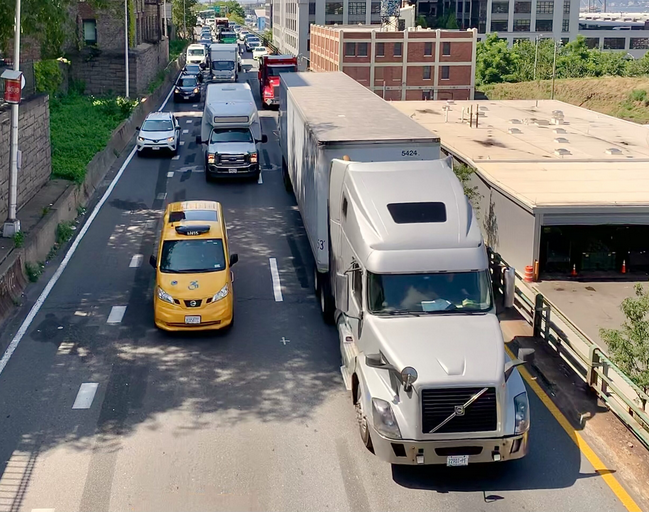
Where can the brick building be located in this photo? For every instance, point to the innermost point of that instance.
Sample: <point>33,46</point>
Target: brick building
<point>96,50</point>
<point>416,64</point>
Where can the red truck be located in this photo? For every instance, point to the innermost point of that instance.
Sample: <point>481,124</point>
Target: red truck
<point>269,69</point>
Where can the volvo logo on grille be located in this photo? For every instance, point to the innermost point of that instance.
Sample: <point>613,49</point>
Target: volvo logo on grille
<point>459,411</point>
<point>193,303</point>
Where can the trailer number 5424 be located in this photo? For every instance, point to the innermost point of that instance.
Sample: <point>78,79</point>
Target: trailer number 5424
<point>409,153</point>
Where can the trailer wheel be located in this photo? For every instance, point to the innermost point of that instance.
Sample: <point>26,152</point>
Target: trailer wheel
<point>363,428</point>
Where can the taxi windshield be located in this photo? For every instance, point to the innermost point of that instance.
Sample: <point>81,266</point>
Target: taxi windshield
<point>192,256</point>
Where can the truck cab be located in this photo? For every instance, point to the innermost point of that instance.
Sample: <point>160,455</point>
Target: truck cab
<point>270,66</point>
<point>230,131</point>
<point>422,349</point>
<point>224,62</point>
<point>197,54</point>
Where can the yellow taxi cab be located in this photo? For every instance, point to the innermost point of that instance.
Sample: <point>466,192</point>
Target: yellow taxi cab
<point>193,288</point>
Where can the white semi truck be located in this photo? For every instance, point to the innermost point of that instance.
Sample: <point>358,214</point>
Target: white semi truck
<point>402,269</point>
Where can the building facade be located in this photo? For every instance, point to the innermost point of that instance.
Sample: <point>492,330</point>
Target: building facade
<point>292,20</point>
<point>419,64</point>
<point>627,32</point>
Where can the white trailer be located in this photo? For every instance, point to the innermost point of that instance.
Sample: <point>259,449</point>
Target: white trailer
<point>324,116</point>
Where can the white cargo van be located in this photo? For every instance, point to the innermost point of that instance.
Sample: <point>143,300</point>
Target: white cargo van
<point>224,62</point>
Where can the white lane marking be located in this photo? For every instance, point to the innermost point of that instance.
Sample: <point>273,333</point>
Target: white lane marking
<point>195,105</point>
<point>189,121</point>
<point>185,131</point>
<point>260,180</point>
<point>116,315</point>
<point>136,261</point>
<point>177,157</point>
<point>277,286</point>
<point>65,348</point>
<point>284,340</point>
<point>85,396</point>
<point>161,196</point>
<point>64,263</point>
<point>182,143</point>
<point>170,174</point>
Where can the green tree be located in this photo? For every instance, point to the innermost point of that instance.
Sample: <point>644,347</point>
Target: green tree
<point>421,21</point>
<point>495,62</point>
<point>234,8</point>
<point>573,59</point>
<point>451,22</point>
<point>179,16</point>
<point>629,346</point>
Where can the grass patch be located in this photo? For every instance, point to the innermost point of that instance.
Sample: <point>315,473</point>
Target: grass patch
<point>176,47</point>
<point>621,97</point>
<point>34,271</point>
<point>64,232</point>
<point>80,127</point>
<point>19,239</point>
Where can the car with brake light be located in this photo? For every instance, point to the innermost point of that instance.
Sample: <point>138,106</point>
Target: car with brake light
<point>193,290</point>
<point>160,131</point>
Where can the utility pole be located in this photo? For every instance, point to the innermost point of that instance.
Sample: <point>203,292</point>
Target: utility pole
<point>554,66</point>
<point>536,54</point>
<point>12,224</point>
<point>185,19</point>
<point>126,44</point>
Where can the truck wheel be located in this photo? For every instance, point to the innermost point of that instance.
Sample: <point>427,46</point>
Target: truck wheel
<point>363,428</point>
<point>327,306</point>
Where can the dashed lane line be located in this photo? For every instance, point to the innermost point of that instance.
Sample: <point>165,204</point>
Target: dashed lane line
<point>116,315</point>
<point>136,261</point>
<point>277,286</point>
<point>85,396</point>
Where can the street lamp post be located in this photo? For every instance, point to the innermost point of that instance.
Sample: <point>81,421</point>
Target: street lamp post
<point>126,44</point>
<point>554,66</point>
<point>536,54</point>
<point>12,224</point>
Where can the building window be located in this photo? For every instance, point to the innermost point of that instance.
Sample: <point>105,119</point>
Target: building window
<point>523,7</point>
<point>639,43</point>
<point>543,25</point>
<point>90,32</point>
<point>357,8</point>
<point>397,49</point>
<point>446,72</point>
<point>427,95</point>
<point>613,43</point>
<point>498,26</point>
<point>500,8</point>
<point>334,8</point>
<point>312,8</point>
<point>361,50</point>
<point>565,27</point>
<point>350,49</point>
<point>426,72</point>
<point>592,42</point>
<point>545,7</point>
<point>378,73</point>
<point>522,25</point>
<point>428,49</point>
<point>446,49</point>
<point>376,7</point>
<point>380,49</point>
<point>566,6</point>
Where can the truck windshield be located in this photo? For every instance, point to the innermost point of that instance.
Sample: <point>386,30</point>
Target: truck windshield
<point>274,71</point>
<point>223,65</point>
<point>222,135</point>
<point>196,51</point>
<point>192,256</point>
<point>448,292</point>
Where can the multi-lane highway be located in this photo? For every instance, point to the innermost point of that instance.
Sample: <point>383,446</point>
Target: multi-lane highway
<point>100,410</point>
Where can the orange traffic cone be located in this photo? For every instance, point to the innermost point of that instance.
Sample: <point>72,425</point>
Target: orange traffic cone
<point>623,266</point>
<point>574,270</point>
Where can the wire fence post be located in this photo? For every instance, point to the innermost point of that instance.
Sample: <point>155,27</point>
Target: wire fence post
<point>538,315</point>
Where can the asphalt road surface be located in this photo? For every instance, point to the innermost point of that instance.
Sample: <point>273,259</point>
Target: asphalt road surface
<point>256,419</point>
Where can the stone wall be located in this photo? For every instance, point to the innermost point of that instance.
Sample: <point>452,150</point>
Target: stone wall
<point>103,72</point>
<point>34,141</point>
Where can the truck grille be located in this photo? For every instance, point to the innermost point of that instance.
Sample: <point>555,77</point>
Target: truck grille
<point>234,160</point>
<point>437,404</point>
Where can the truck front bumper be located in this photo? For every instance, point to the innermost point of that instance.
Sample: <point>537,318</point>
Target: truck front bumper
<point>436,452</point>
<point>243,172</point>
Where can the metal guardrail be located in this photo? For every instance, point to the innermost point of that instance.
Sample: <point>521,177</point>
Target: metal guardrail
<point>585,357</point>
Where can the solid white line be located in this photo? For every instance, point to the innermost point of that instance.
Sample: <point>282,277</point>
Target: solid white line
<point>260,179</point>
<point>170,174</point>
<point>85,396</point>
<point>75,244</point>
<point>277,286</point>
<point>116,315</point>
<point>136,261</point>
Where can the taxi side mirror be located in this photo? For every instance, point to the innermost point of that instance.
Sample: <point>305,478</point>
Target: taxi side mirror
<point>153,262</point>
<point>234,258</point>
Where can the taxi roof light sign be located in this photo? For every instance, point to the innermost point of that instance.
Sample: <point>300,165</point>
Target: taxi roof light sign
<point>197,229</point>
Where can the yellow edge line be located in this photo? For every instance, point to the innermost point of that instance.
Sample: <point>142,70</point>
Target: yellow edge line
<point>586,450</point>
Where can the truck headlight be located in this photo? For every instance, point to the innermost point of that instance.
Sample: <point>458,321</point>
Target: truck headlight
<point>221,293</point>
<point>210,158</point>
<point>163,296</point>
<point>384,421</point>
<point>522,414</point>
<point>253,158</point>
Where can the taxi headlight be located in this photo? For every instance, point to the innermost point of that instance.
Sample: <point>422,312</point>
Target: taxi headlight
<point>163,296</point>
<point>221,293</point>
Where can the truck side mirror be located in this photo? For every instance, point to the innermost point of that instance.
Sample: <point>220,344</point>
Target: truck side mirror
<point>376,362</point>
<point>525,355</point>
<point>264,139</point>
<point>153,262</point>
<point>199,140</point>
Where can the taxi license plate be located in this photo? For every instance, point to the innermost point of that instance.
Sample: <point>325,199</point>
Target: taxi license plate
<point>457,461</point>
<point>192,319</point>
<point>232,170</point>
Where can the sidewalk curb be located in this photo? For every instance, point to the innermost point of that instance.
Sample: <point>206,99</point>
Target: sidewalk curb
<point>41,238</point>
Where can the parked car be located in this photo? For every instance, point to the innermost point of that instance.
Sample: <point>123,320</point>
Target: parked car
<point>160,131</point>
<point>193,70</point>
<point>258,52</point>
<point>187,88</point>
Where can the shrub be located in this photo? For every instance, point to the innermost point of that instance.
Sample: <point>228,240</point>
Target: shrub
<point>48,76</point>
<point>33,271</point>
<point>64,232</point>
<point>19,239</point>
<point>638,95</point>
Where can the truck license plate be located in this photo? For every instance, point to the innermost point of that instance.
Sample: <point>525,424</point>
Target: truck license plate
<point>231,170</point>
<point>196,319</point>
<point>457,461</point>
